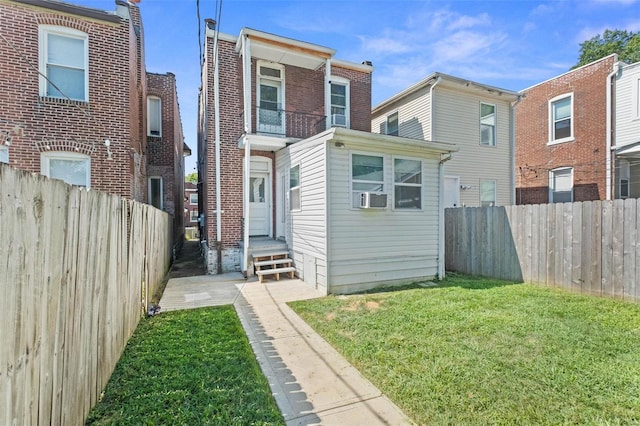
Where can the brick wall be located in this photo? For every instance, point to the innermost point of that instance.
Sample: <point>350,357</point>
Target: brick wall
<point>586,154</point>
<point>40,124</point>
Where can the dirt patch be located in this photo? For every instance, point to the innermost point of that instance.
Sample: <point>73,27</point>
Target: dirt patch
<point>372,305</point>
<point>330,316</point>
<point>352,307</point>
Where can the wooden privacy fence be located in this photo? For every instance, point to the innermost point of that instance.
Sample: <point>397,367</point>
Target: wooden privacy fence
<point>76,267</point>
<point>592,246</point>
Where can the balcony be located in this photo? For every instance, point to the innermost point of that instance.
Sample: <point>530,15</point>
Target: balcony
<point>280,123</point>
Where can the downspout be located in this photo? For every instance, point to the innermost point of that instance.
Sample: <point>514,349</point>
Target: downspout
<point>216,109</point>
<point>443,159</point>
<point>432,106</point>
<point>512,134</point>
<point>327,93</point>
<point>246,68</point>
<point>609,126</point>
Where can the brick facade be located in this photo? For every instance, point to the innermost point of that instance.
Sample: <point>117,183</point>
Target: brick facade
<point>166,153</point>
<point>304,93</point>
<point>586,154</point>
<point>42,124</point>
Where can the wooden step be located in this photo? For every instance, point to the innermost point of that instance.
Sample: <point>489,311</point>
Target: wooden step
<point>272,262</point>
<point>269,253</point>
<point>275,271</point>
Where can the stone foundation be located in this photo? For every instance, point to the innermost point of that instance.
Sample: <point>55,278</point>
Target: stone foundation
<point>230,260</point>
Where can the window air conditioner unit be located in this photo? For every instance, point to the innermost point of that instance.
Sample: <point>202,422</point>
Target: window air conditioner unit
<point>339,120</point>
<point>372,200</point>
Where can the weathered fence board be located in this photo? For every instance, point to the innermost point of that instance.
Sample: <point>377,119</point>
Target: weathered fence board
<point>591,246</point>
<point>72,274</point>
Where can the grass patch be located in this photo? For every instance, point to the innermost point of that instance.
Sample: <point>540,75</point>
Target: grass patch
<point>192,367</point>
<point>479,351</point>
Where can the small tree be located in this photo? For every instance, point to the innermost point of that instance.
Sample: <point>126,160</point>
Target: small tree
<point>192,177</point>
<point>625,43</point>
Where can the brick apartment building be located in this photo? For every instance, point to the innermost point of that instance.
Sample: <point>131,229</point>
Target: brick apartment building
<point>191,224</point>
<point>562,150</point>
<point>74,106</point>
<point>166,149</point>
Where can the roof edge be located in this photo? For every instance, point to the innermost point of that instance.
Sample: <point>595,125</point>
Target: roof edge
<point>73,9</point>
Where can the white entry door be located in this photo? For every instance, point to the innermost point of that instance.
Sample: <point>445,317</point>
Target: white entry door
<point>259,204</point>
<point>451,191</point>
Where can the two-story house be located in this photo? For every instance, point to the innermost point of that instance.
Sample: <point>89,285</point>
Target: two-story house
<point>564,136</point>
<point>191,223</point>
<point>166,150</point>
<point>626,138</point>
<point>288,165</point>
<point>476,117</point>
<point>74,99</point>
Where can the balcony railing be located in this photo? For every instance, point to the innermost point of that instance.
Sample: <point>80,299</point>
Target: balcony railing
<point>286,124</point>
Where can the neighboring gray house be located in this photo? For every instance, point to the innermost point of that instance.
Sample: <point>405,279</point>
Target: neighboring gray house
<point>626,144</point>
<point>343,241</point>
<point>475,117</point>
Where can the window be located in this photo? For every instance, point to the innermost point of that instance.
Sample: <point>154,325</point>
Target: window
<point>193,199</point>
<point>487,124</point>
<point>74,169</point>
<point>561,119</point>
<point>155,192</point>
<point>561,185</point>
<point>339,102</point>
<point>64,62</point>
<point>623,173</point>
<point>294,188</point>
<point>270,95</point>
<point>367,174</point>
<point>392,124</point>
<point>193,215</point>
<point>487,193</point>
<point>154,116</point>
<point>407,180</point>
<point>4,154</point>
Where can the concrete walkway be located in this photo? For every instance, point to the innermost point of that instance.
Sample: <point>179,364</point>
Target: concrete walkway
<point>310,381</point>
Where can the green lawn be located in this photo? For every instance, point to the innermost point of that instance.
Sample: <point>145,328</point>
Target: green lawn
<point>479,351</point>
<point>192,367</point>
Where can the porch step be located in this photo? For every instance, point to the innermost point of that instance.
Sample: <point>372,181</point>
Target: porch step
<point>272,262</point>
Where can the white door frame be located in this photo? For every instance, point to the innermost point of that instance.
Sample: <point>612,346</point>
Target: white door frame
<point>457,186</point>
<point>261,166</point>
<point>281,202</point>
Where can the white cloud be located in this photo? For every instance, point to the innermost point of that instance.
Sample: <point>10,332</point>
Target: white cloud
<point>609,2</point>
<point>470,21</point>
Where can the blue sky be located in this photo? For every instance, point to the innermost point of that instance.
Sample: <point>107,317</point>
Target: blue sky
<point>508,44</point>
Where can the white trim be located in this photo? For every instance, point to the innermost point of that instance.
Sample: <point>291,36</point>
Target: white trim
<point>414,185</point>
<point>351,180</point>
<point>551,129</point>
<point>4,154</point>
<point>191,200</point>
<point>268,190</point>
<point>298,187</point>
<point>495,190</point>
<point>552,187</point>
<point>495,124</point>
<point>278,82</point>
<point>43,32</point>
<point>386,123</point>
<point>154,98</point>
<point>340,81</point>
<point>46,157</point>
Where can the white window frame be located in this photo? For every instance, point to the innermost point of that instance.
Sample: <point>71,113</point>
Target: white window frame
<point>193,213</point>
<point>46,157</point>
<point>43,32</point>
<point>355,192</point>
<point>494,141</point>
<point>552,189</point>
<point>552,102</point>
<point>151,99</point>
<point>395,114</point>
<point>406,184</point>
<point>294,189</point>
<point>340,81</point>
<point>4,154</point>
<point>150,195</point>
<point>492,202</point>
<point>191,199</point>
<point>624,174</point>
<point>281,80</point>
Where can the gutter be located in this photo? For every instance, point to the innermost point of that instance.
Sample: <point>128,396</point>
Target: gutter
<point>512,135</point>
<point>431,132</point>
<point>609,119</point>
<point>216,115</point>
<point>443,159</point>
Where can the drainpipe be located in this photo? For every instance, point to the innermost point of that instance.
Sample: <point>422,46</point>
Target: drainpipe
<point>327,93</point>
<point>216,109</point>
<point>432,132</point>
<point>246,68</point>
<point>443,159</point>
<point>609,126</point>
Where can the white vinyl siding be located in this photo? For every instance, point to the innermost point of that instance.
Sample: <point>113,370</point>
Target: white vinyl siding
<point>415,114</point>
<point>627,106</point>
<point>456,121</point>
<point>375,245</point>
<point>63,63</point>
